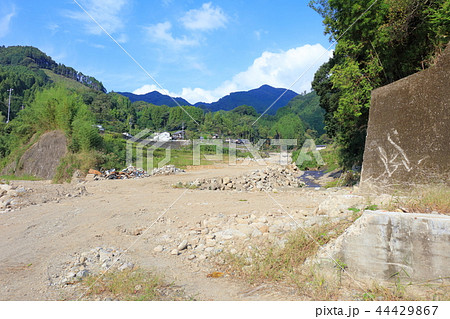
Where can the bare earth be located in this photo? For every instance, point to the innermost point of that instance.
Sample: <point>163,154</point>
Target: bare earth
<point>36,241</point>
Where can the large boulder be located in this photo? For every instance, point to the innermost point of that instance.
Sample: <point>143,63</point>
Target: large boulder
<point>42,158</point>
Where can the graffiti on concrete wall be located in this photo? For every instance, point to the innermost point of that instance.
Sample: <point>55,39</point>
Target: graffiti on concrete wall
<point>394,157</point>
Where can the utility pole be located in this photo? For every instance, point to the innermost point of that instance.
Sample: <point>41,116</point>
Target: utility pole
<point>9,104</point>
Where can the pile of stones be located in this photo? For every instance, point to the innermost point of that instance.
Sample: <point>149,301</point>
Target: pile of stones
<point>271,178</point>
<point>166,170</point>
<point>95,261</point>
<point>9,196</point>
<point>238,234</point>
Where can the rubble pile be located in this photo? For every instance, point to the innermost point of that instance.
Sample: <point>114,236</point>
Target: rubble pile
<point>9,196</point>
<point>131,172</point>
<point>166,170</point>
<point>92,262</point>
<point>272,178</point>
<point>238,234</point>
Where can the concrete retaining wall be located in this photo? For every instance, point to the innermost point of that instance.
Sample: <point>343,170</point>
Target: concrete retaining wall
<point>384,245</point>
<point>408,135</point>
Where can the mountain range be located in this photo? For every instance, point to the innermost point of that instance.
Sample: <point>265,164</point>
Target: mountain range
<point>260,98</point>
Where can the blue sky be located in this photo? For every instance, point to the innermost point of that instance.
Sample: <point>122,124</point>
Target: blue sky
<point>200,50</point>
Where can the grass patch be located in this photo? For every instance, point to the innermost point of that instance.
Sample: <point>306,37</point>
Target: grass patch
<point>424,199</point>
<point>276,263</point>
<point>66,82</point>
<point>182,158</point>
<point>8,178</point>
<point>131,285</point>
<point>184,185</point>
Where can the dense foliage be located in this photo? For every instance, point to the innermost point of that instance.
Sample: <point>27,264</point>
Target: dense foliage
<point>55,108</point>
<point>393,39</point>
<point>24,82</point>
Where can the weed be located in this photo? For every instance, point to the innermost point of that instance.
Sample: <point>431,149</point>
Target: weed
<point>424,199</point>
<point>340,268</point>
<point>275,263</point>
<point>184,185</point>
<point>132,285</point>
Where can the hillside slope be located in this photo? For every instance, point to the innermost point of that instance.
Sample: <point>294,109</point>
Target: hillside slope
<point>307,107</point>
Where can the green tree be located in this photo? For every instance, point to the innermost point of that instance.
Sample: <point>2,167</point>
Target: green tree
<point>393,39</point>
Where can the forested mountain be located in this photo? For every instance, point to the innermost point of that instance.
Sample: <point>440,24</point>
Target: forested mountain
<point>155,98</point>
<point>33,58</point>
<point>260,99</point>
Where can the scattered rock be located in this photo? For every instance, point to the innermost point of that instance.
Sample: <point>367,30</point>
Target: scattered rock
<point>82,273</point>
<point>158,248</point>
<point>337,204</point>
<point>126,266</point>
<point>166,170</point>
<point>183,245</point>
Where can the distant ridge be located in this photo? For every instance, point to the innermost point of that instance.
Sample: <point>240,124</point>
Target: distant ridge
<point>155,98</point>
<point>260,98</point>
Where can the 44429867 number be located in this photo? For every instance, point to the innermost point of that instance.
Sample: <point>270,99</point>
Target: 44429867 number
<point>407,311</point>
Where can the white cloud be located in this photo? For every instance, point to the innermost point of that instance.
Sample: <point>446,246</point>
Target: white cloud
<point>106,12</point>
<point>161,33</point>
<point>205,18</point>
<point>279,70</point>
<point>198,95</point>
<point>5,22</point>
<point>152,87</point>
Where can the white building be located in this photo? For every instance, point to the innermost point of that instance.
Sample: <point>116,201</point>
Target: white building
<point>162,137</point>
